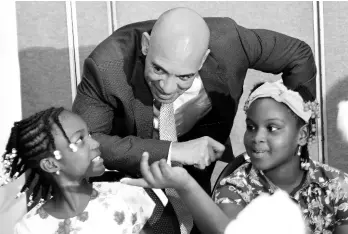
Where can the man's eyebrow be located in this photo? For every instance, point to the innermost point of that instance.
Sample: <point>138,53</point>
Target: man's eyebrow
<point>156,65</point>
<point>189,75</point>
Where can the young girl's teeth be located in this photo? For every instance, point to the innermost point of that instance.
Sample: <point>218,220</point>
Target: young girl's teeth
<point>96,158</point>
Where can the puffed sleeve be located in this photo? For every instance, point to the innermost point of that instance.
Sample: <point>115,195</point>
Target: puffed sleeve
<point>341,201</point>
<point>234,189</point>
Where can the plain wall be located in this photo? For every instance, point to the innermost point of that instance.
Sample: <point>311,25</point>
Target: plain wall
<point>43,55</point>
<point>336,80</point>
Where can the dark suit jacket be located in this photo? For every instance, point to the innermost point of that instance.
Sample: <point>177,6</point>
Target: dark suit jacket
<point>115,101</point>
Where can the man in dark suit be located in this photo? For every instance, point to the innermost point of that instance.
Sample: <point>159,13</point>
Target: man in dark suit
<point>197,64</point>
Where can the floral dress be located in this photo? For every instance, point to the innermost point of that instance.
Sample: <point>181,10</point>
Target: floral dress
<point>113,208</point>
<point>322,194</point>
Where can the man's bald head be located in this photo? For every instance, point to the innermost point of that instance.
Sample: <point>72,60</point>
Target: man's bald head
<point>178,44</point>
<point>181,31</point>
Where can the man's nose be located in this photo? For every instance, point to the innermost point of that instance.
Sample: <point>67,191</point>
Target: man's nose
<point>168,85</point>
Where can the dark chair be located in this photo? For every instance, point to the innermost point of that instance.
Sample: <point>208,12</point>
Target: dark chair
<point>230,167</point>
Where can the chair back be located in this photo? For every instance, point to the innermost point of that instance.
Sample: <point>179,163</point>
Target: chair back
<point>230,167</point>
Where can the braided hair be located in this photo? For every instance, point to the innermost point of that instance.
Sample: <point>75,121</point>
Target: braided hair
<point>311,126</point>
<point>30,141</point>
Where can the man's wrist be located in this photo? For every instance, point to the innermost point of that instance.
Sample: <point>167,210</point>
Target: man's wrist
<point>169,158</point>
<point>172,155</point>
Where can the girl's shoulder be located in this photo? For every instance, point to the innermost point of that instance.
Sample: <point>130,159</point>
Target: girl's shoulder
<point>325,172</point>
<point>238,175</point>
<point>114,206</point>
<point>328,177</point>
<point>35,221</point>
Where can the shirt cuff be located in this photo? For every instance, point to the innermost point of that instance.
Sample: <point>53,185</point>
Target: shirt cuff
<point>169,158</point>
<point>160,194</point>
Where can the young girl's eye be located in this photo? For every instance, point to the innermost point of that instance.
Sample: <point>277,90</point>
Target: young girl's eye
<point>79,140</point>
<point>250,127</point>
<point>272,128</point>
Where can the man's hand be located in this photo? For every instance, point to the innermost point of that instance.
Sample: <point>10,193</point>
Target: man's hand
<point>159,175</point>
<point>199,152</point>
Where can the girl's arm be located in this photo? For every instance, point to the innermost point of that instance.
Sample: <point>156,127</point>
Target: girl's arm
<point>231,210</point>
<point>208,217</point>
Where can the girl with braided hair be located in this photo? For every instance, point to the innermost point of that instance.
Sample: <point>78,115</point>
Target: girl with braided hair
<point>59,155</point>
<point>280,124</point>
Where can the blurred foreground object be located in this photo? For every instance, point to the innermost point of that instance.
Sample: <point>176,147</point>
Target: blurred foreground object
<point>269,214</point>
<point>342,119</point>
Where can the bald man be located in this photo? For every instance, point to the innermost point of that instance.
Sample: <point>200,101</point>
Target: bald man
<point>197,64</point>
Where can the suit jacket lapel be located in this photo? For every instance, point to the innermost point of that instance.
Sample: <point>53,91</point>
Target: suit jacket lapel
<point>212,76</point>
<point>143,101</point>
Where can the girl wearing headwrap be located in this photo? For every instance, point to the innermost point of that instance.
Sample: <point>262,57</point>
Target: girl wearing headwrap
<point>279,127</point>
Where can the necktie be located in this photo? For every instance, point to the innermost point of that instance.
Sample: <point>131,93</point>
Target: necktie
<point>167,131</point>
<point>161,221</point>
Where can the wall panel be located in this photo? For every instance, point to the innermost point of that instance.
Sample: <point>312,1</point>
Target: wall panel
<point>336,63</point>
<point>43,55</point>
<point>92,25</point>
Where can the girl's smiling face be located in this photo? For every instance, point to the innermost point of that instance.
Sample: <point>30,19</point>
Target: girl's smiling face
<point>86,161</point>
<point>272,134</point>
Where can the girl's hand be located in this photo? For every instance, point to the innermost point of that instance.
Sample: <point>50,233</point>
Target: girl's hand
<point>159,175</point>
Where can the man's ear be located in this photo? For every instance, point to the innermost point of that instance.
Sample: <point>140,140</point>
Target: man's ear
<point>145,43</point>
<point>49,165</point>
<point>303,135</point>
<point>204,58</point>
